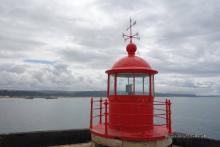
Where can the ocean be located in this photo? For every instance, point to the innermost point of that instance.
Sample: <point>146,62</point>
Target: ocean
<point>193,115</point>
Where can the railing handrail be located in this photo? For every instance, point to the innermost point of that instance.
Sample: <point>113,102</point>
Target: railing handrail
<point>141,125</point>
<point>103,105</point>
<point>138,103</point>
<point>144,114</point>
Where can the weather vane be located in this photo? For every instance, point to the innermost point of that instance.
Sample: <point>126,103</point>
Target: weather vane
<point>131,36</point>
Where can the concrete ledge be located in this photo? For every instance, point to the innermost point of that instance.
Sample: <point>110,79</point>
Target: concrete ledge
<point>97,141</point>
<point>45,138</point>
<point>75,145</point>
<point>194,142</point>
<point>75,136</point>
<point>105,141</point>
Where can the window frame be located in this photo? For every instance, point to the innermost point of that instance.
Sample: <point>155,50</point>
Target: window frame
<point>134,75</point>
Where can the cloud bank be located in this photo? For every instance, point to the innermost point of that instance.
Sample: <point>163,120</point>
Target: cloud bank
<point>67,45</point>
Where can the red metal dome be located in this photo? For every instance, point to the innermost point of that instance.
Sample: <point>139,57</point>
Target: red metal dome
<point>131,49</point>
<point>131,63</point>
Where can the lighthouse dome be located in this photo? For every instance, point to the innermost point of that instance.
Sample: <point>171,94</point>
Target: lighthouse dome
<point>131,63</point>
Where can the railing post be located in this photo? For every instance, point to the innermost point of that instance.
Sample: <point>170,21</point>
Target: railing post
<point>106,117</point>
<point>91,113</point>
<point>108,85</point>
<point>150,88</point>
<point>167,115</point>
<point>169,104</point>
<point>100,114</point>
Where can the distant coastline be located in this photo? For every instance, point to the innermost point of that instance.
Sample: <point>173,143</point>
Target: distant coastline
<point>56,94</point>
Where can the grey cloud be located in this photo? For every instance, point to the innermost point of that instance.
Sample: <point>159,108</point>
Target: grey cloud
<point>18,69</point>
<point>90,58</point>
<point>18,44</point>
<point>29,77</point>
<point>181,37</point>
<point>187,84</point>
<point>187,39</point>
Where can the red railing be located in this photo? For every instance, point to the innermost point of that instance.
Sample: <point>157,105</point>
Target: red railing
<point>162,110</point>
<point>101,113</point>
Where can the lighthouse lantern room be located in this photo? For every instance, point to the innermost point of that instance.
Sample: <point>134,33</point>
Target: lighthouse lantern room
<point>130,116</point>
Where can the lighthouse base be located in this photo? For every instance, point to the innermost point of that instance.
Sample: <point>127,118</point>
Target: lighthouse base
<point>98,141</point>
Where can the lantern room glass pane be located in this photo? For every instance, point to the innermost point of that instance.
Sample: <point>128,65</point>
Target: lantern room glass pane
<point>132,84</point>
<point>142,84</point>
<point>111,84</point>
<point>146,85</point>
<point>138,85</point>
<point>125,84</point>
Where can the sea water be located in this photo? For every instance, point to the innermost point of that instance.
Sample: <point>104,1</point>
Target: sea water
<point>194,115</point>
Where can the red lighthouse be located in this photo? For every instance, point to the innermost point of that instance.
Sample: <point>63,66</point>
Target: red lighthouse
<point>130,116</point>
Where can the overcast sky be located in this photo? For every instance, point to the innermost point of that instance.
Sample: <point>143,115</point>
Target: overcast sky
<point>68,44</point>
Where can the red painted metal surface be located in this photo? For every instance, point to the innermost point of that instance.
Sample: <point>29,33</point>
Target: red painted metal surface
<point>137,130</point>
<point>131,114</point>
<point>131,63</point>
<point>130,110</point>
